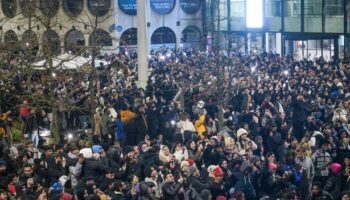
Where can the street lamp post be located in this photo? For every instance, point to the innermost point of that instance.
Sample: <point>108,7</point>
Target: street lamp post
<point>142,49</point>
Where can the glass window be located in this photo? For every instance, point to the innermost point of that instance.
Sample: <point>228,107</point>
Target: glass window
<point>9,7</point>
<point>30,43</point>
<point>99,7</point>
<point>73,7</point>
<point>49,7</point>
<point>191,34</point>
<point>100,38</point>
<point>273,8</point>
<point>191,37</point>
<point>237,15</point>
<point>292,18</point>
<point>273,15</point>
<point>334,10</point>
<point>237,8</point>
<point>222,17</point>
<point>129,37</point>
<point>11,40</point>
<point>74,41</point>
<point>313,16</point>
<point>27,7</point>
<point>163,37</point>
<point>51,42</point>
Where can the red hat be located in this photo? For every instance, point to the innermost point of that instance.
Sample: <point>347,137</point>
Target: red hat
<point>217,172</point>
<point>335,167</point>
<point>190,161</point>
<point>221,197</point>
<point>66,196</point>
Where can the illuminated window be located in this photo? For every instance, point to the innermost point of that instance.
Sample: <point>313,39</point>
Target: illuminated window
<point>254,14</point>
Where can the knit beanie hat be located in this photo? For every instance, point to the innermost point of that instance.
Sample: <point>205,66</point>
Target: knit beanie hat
<point>217,172</point>
<point>335,167</point>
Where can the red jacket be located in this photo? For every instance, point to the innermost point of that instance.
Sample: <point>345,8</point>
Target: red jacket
<point>23,111</point>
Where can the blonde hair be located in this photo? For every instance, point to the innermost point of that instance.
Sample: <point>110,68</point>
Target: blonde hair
<point>228,142</point>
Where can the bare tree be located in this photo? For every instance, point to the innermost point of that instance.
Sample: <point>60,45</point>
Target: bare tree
<point>20,58</point>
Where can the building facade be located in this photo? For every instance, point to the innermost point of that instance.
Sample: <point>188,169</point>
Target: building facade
<point>302,28</point>
<point>67,25</point>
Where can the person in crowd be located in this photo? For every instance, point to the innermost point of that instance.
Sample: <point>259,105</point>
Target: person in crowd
<point>318,193</point>
<point>172,189</point>
<point>198,131</point>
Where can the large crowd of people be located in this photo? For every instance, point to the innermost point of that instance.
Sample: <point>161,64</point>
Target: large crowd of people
<point>228,126</point>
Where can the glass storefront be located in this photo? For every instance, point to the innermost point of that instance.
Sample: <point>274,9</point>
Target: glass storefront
<point>302,19</point>
<point>273,15</point>
<point>310,49</point>
<point>292,15</point>
<point>313,16</point>
<point>334,11</point>
<point>237,15</point>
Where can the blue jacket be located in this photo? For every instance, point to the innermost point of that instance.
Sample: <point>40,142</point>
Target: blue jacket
<point>120,134</point>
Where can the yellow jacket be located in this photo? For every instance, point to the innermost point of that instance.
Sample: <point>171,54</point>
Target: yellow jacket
<point>200,127</point>
<point>4,118</point>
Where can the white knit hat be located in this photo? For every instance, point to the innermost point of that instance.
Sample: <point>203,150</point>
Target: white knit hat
<point>241,131</point>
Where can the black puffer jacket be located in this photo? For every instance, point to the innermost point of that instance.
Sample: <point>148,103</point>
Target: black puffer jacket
<point>93,168</point>
<point>171,191</point>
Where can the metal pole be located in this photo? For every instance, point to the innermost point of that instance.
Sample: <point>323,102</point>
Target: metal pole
<point>142,50</point>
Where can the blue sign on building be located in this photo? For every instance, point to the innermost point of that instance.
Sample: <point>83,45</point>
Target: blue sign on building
<point>190,6</point>
<point>128,6</point>
<point>162,7</point>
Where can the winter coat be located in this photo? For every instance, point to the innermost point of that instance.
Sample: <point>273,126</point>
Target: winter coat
<point>271,184</point>
<point>171,190</point>
<point>105,122</point>
<point>141,127</point>
<point>308,166</point>
<point>323,196</point>
<point>54,170</point>
<point>153,122</point>
<point>200,126</point>
<point>93,167</point>
<point>217,189</point>
<point>333,186</point>
<point>120,133</point>
<point>98,123</point>
<point>197,183</point>
<point>243,181</point>
<point>74,168</point>
<point>321,162</point>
